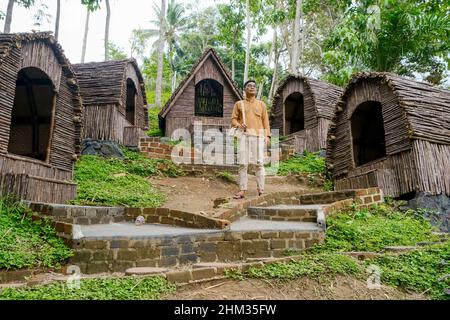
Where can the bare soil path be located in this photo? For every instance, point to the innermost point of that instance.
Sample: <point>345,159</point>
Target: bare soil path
<point>197,194</point>
<point>340,288</point>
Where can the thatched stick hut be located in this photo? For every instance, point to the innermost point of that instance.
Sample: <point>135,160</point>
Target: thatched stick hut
<point>302,109</point>
<point>206,94</point>
<point>40,118</point>
<point>114,99</point>
<point>391,132</point>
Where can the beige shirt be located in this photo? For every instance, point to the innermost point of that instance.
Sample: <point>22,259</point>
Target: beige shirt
<point>256,117</point>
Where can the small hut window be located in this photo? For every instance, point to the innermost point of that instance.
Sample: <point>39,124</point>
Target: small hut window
<point>131,102</point>
<point>368,133</point>
<point>294,113</point>
<point>209,98</point>
<point>31,120</point>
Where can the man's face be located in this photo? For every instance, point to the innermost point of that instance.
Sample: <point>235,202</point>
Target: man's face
<point>250,88</point>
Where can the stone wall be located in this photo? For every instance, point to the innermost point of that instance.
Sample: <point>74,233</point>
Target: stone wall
<point>64,216</point>
<point>118,254</point>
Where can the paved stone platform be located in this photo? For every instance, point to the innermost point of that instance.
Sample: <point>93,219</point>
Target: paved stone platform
<point>155,230</point>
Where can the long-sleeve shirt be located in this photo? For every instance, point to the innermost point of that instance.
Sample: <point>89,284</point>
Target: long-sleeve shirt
<point>256,117</point>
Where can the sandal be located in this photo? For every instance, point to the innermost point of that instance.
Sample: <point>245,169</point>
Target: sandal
<point>239,195</point>
<point>260,193</point>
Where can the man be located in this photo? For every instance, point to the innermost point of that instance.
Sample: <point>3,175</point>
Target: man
<point>255,138</point>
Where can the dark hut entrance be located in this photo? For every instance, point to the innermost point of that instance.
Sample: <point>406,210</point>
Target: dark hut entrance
<point>31,121</point>
<point>209,98</point>
<point>368,133</point>
<point>131,102</point>
<point>294,113</point>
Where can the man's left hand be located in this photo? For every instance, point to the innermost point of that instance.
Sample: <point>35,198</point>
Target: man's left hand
<point>267,141</point>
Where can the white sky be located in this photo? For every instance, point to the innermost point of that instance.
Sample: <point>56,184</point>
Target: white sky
<point>126,15</point>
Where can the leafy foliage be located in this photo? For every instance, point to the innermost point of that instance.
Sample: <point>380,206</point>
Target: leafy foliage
<point>425,270</point>
<point>25,243</point>
<point>400,36</point>
<point>373,229</point>
<point>313,266</point>
<point>114,182</point>
<point>95,289</point>
<point>307,163</point>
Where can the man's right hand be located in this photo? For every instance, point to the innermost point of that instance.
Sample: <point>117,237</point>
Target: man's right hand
<point>244,126</point>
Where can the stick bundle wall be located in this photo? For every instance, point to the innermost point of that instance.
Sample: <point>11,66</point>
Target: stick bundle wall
<point>31,179</point>
<point>416,120</point>
<point>103,87</point>
<point>317,102</point>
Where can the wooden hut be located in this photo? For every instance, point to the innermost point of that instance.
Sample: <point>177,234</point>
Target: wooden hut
<point>393,133</point>
<point>40,117</point>
<point>302,109</point>
<point>113,94</point>
<point>207,94</point>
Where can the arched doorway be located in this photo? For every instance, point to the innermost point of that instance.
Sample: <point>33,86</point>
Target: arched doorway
<point>209,98</point>
<point>294,113</point>
<point>32,115</point>
<point>368,133</point>
<point>130,109</point>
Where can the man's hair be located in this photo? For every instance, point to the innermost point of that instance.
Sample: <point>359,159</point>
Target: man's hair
<point>249,81</point>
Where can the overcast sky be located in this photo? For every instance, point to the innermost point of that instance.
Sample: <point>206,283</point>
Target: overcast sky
<point>126,15</point>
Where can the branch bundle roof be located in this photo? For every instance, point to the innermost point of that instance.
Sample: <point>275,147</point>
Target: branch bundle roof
<point>104,83</point>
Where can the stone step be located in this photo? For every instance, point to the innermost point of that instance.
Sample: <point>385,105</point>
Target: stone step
<point>334,196</point>
<point>119,247</point>
<point>301,213</point>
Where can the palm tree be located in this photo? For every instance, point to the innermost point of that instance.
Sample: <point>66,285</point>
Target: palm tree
<point>175,22</point>
<point>161,41</point>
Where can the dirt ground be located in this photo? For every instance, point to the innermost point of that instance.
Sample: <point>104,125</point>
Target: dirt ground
<point>341,288</point>
<point>197,194</point>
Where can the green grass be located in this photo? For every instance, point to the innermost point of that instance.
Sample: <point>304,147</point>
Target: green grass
<point>307,163</point>
<point>226,176</point>
<point>154,130</point>
<point>115,182</point>
<point>422,270</point>
<point>95,289</point>
<point>375,228</point>
<point>310,163</point>
<point>311,266</point>
<point>25,243</point>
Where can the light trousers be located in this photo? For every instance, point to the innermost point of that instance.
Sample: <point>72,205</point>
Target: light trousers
<point>251,151</point>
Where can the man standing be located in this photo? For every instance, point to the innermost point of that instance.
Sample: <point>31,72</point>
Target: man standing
<point>255,124</point>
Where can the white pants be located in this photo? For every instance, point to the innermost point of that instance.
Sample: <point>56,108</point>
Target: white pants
<point>251,151</point>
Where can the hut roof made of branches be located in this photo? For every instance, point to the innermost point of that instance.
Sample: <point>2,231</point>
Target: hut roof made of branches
<point>325,95</point>
<point>8,41</point>
<point>426,108</point>
<point>210,52</point>
<point>104,83</point>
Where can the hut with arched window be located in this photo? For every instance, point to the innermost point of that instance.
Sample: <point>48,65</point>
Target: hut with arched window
<point>40,119</point>
<point>114,99</point>
<point>391,132</point>
<point>302,109</point>
<point>206,94</point>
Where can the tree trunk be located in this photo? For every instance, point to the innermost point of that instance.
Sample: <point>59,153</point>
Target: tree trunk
<point>8,18</point>
<point>296,42</point>
<point>58,17</point>
<point>159,73</point>
<point>271,56</point>
<point>108,19</point>
<point>249,35</point>
<point>86,31</point>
